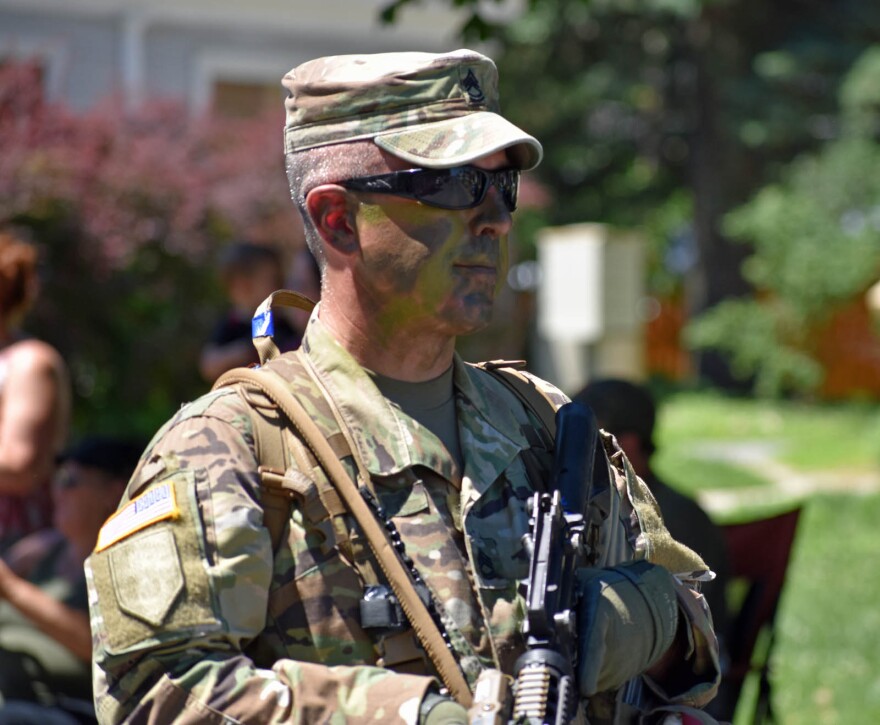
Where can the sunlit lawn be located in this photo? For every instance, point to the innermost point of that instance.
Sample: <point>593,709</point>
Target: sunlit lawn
<point>826,664</point>
<point>811,435</point>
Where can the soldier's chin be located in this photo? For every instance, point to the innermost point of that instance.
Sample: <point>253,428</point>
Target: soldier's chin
<point>475,320</point>
<point>464,314</point>
<point>473,330</point>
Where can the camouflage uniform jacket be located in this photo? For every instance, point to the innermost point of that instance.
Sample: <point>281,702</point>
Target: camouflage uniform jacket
<point>195,620</point>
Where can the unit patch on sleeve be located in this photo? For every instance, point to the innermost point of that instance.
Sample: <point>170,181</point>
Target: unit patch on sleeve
<point>156,504</point>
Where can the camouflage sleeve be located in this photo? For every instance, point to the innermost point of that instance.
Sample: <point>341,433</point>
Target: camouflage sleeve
<point>630,527</point>
<point>178,588</point>
<point>634,529</point>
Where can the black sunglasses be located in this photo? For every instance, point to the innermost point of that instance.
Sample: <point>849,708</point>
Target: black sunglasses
<point>462,187</point>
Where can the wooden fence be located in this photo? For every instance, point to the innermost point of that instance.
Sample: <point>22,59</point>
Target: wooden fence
<point>847,346</point>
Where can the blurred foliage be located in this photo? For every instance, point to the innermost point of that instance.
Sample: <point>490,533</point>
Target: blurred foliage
<point>127,211</point>
<point>816,240</point>
<point>666,116</point>
<point>659,114</point>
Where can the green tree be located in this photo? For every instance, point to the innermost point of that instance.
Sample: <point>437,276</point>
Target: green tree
<point>816,244</point>
<point>659,113</point>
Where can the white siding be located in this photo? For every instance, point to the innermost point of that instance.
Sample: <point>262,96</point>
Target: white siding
<point>179,49</point>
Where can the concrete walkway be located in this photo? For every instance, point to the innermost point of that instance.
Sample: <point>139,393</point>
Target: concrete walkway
<point>784,483</point>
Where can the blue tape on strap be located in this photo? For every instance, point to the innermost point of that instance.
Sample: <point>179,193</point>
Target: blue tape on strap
<point>263,325</point>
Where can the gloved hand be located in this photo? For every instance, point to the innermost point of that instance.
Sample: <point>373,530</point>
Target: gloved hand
<point>437,709</point>
<point>627,619</point>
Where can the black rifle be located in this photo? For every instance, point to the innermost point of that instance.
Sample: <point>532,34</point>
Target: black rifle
<point>545,689</point>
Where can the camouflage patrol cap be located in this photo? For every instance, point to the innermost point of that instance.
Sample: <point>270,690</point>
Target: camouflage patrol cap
<point>435,111</point>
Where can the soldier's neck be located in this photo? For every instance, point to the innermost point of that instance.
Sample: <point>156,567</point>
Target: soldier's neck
<point>399,352</point>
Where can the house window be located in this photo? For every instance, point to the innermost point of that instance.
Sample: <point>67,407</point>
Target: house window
<point>235,99</point>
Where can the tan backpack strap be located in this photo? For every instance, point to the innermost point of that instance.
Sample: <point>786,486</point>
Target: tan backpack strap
<point>398,577</point>
<point>508,372</point>
<point>263,323</point>
<point>270,450</point>
<point>273,443</point>
<point>341,439</point>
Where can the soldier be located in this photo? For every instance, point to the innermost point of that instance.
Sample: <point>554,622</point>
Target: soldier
<point>203,611</point>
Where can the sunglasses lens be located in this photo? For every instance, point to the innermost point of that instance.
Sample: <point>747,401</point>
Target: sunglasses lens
<point>507,182</point>
<point>472,184</point>
<point>465,187</point>
<point>459,188</point>
<point>462,187</point>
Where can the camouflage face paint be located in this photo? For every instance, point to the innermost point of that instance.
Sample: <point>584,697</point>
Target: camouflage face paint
<point>432,267</point>
<point>427,265</point>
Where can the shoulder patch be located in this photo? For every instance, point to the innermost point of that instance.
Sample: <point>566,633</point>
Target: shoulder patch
<point>156,504</point>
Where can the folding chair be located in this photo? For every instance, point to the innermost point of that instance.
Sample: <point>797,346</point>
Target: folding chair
<point>759,553</point>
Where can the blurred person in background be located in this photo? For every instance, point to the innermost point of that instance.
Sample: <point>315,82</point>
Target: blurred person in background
<point>34,400</point>
<point>45,641</point>
<point>628,411</point>
<point>249,273</point>
<point>304,277</point>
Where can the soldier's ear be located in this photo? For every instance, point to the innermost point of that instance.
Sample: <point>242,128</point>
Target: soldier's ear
<point>332,210</point>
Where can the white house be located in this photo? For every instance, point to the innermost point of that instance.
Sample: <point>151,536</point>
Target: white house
<point>228,54</point>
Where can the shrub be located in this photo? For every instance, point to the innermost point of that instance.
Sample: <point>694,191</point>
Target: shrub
<point>127,210</point>
<point>816,238</point>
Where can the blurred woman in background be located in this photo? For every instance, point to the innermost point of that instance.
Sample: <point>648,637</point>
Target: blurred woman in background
<point>34,401</point>
<point>45,640</point>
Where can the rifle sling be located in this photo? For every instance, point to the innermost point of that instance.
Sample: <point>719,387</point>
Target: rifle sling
<point>416,612</point>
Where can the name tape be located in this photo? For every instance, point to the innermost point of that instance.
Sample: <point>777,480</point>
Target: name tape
<point>157,504</point>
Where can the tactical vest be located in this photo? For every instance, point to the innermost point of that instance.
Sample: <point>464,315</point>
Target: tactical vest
<point>319,470</point>
<point>315,466</point>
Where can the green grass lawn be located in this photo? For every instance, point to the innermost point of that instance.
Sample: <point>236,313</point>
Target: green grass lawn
<point>826,667</point>
<point>808,437</point>
<point>826,663</point>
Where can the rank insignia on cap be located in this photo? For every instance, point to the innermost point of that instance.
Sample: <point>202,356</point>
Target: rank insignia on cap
<point>472,86</point>
<point>156,504</point>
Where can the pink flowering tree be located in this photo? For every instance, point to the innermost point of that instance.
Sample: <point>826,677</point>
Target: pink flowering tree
<point>128,211</point>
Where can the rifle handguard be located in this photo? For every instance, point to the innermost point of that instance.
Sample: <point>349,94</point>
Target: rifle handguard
<point>546,691</point>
